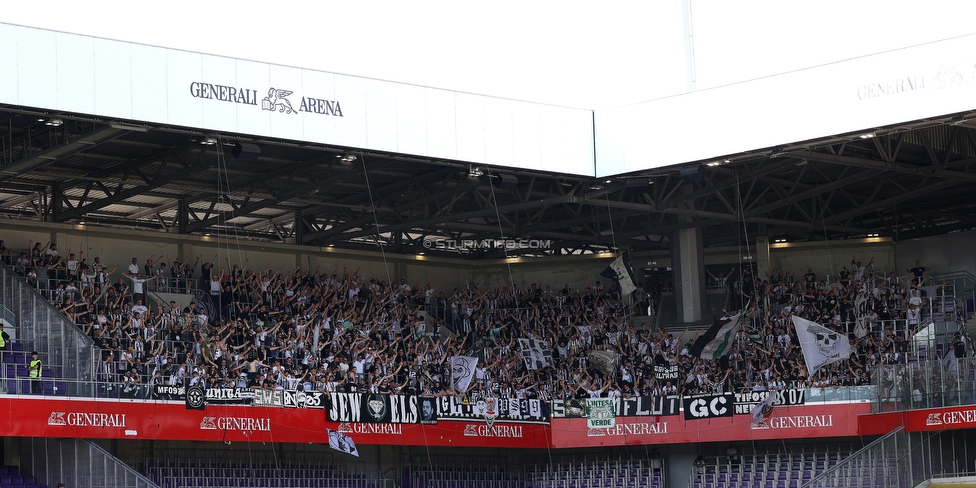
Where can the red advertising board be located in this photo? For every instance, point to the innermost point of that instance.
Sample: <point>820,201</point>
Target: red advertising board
<point>122,419</point>
<point>172,421</point>
<point>963,417</point>
<point>793,422</point>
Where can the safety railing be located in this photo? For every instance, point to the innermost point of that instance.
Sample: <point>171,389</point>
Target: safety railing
<point>66,353</point>
<point>80,462</point>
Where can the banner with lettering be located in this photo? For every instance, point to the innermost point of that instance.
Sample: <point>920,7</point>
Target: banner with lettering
<point>285,398</point>
<point>372,408</point>
<point>708,406</point>
<point>511,410</point>
<point>746,401</point>
<point>660,406</point>
<point>665,373</point>
<point>215,396</point>
<point>170,421</point>
<point>600,413</point>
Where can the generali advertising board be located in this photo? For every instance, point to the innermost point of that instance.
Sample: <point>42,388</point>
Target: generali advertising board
<point>172,421</point>
<point>963,417</point>
<point>786,422</point>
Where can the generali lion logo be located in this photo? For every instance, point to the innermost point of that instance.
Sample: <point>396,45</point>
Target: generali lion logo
<point>471,430</point>
<point>595,432</point>
<point>209,423</point>
<point>276,101</point>
<point>933,419</point>
<point>345,428</point>
<point>56,418</point>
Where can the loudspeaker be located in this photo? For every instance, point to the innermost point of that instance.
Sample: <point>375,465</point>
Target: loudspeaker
<point>505,182</point>
<point>637,185</point>
<point>246,151</point>
<point>692,174</point>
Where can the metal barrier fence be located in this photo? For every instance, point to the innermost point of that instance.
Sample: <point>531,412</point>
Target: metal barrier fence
<point>884,463</point>
<point>903,460</point>
<point>926,384</point>
<point>66,352</point>
<point>80,462</point>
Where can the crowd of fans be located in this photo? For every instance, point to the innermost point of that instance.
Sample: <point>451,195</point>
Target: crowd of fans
<point>332,330</point>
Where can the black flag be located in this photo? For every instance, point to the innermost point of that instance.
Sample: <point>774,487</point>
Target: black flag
<point>196,398</point>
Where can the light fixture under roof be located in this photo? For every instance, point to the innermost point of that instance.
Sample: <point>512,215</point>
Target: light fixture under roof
<point>129,127</point>
<point>54,122</point>
<point>208,141</point>
<point>346,158</point>
<point>867,135</point>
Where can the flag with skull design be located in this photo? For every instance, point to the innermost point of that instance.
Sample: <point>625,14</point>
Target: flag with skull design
<point>820,345</point>
<point>462,372</point>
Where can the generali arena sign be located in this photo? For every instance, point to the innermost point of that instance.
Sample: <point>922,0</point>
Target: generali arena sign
<point>113,419</point>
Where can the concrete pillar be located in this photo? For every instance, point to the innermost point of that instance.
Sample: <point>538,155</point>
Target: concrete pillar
<point>680,459</point>
<point>688,268</point>
<point>762,257</point>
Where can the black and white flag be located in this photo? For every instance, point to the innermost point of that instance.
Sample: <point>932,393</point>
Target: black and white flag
<point>762,409</point>
<point>717,339</point>
<point>861,314</point>
<point>820,345</point>
<point>342,442</point>
<point>462,372</point>
<point>196,398</point>
<point>536,354</point>
<point>621,270</point>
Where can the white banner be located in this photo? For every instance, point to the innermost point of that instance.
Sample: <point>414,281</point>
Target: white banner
<point>820,345</point>
<point>462,372</point>
<point>342,442</point>
<point>762,409</point>
<point>536,354</point>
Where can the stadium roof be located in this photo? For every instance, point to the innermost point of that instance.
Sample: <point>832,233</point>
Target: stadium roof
<point>905,181</point>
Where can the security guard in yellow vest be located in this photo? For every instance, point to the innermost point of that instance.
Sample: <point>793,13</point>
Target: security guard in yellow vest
<point>34,371</point>
<point>4,339</point>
